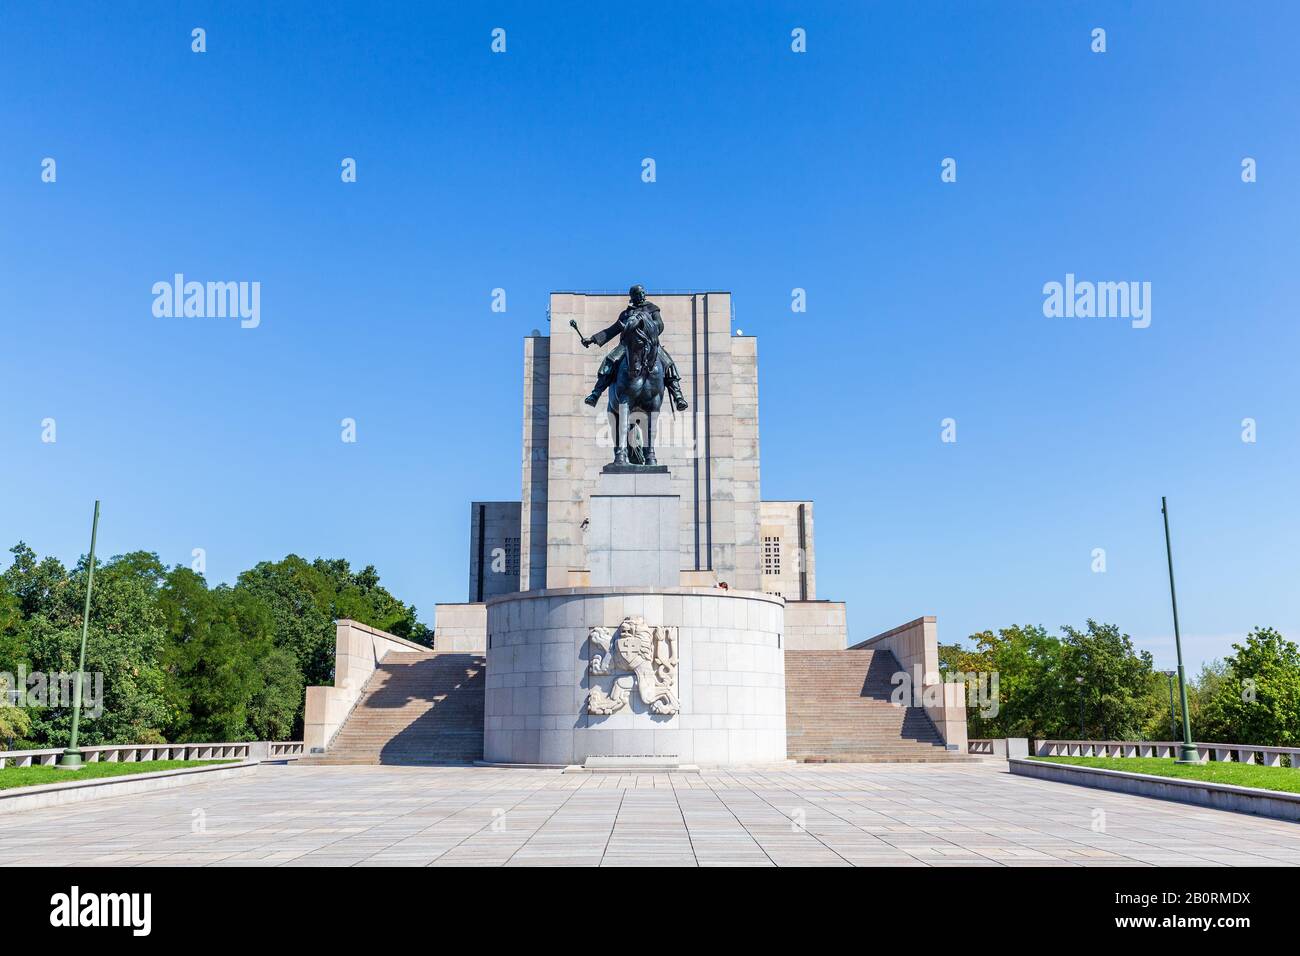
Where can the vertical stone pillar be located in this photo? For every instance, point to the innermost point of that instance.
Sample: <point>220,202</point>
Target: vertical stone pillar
<point>633,535</point>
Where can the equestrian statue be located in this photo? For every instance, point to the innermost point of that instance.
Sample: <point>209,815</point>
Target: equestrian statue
<point>635,372</point>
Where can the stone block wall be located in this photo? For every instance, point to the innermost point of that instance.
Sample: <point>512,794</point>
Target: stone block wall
<point>731,678</point>
<point>460,627</point>
<point>632,534</point>
<point>816,626</point>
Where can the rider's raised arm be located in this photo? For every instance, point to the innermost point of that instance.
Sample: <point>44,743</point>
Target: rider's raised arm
<point>600,338</point>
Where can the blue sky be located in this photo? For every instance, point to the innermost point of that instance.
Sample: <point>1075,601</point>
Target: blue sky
<point>775,170</point>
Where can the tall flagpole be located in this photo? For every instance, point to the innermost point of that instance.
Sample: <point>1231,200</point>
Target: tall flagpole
<point>1187,753</point>
<point>71,758</point>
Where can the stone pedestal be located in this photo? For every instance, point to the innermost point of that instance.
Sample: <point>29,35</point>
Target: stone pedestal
<point>634,667</point>
<point>632,536</point>
<point>730,679</point>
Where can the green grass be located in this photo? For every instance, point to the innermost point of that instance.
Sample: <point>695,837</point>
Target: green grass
<point>1284,779</point>
<point>11,777</point>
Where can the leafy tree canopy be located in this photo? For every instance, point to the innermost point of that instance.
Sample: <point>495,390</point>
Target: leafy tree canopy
<point>1255,695</point>
<point>182,661</point>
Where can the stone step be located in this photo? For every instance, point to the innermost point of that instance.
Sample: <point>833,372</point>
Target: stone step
<point>417,708</point>
<point>812,740</point>
<point>839,709</point>
<point>945,757</point>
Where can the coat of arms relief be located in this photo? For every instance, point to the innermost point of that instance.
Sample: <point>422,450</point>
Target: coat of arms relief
<point>635,655</point>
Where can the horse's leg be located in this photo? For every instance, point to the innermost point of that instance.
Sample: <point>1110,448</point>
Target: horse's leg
<point>617,434</point>
<point>620,434</point>
<point>649,437</point>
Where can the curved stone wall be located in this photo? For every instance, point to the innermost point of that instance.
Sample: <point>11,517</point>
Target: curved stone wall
<point>730,675</point>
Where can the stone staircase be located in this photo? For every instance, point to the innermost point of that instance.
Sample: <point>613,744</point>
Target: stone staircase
<point>417,708</point>
<point>838,711</point>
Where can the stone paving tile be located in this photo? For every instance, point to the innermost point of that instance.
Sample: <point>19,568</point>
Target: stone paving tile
<point>833,815</point>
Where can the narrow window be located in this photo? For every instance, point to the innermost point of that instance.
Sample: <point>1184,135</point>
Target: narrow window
<point>771,554</point>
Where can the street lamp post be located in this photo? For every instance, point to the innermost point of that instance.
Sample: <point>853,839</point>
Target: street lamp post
<point>1173,714</point>
<point>1079,681</point>
<point>1187,753</point>
<point>71,758</point>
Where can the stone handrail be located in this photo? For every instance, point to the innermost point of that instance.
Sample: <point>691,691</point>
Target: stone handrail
<point>133,753</point>
<point>1007,747</point>
<point>1239,753</point>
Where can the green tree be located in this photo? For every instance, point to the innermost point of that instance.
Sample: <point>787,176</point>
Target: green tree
<point>306,598</point>
<point>276,707</point>
<point>360,596</point>
<point>1025,659</point>
<point>1037,691</point>
<point>30,581</point>
<point>123,647</point>
<point>13,642</point>
<point>1119,687</point>
<point>1201,690</point>
<point>14,722</point>
<point>175,657</point>
<point>1257,698</point>
<point>299,597</point>
<point>216,643</point>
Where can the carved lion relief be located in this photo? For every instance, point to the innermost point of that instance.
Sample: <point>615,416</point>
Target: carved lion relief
<point>635,655</point>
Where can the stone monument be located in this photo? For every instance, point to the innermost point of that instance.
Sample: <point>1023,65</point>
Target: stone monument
<point>634,669</point>
<point>639,603</point>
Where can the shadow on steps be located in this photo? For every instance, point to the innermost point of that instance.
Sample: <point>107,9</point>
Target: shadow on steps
<point>417,709</point>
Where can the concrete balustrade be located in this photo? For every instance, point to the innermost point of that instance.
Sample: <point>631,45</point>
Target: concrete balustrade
<point>999,747</point>
<point>1205,752</point>
<point>135,753</point>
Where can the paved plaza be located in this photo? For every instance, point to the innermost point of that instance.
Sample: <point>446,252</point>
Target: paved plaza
<point>832,815</point>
